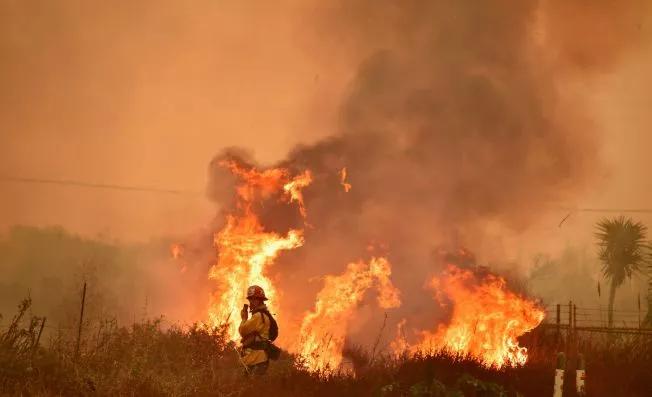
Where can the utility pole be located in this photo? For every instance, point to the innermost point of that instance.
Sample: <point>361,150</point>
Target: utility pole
<point>81,321</point>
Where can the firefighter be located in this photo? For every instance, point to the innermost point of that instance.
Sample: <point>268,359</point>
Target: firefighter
<point>257,332</point>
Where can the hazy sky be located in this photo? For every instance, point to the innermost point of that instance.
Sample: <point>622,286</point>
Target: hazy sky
<point>144,93</point>
<point>147,92</point>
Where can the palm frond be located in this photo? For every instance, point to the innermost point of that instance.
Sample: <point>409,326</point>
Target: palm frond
<point>623,248</point>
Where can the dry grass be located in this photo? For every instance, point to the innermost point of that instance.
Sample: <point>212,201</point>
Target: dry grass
<point>147,360</point>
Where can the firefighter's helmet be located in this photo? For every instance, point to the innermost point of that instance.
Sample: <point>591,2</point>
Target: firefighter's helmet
<point>255,292</point>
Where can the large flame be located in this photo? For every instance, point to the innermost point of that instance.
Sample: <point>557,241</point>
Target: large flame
<point>486,319</point>
<point>324,329</point>
<point>245,248</point>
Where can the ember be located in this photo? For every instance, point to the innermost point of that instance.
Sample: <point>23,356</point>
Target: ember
<point>343,182</point>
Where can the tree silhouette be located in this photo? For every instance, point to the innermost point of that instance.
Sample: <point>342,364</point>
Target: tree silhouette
<point>623,251</point>
<point>647,322</point>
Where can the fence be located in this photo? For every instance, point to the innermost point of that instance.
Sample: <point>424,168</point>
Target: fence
<point>569,317</point>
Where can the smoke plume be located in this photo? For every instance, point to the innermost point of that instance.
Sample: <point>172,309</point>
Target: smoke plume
<point>455,120</point>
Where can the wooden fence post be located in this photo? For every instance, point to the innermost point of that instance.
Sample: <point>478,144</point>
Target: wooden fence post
<point>639,309</point>
<point>38,338</point>
<point>81,321</point>
<point>570,323</point>
<point>574,317</point>
<point>558,322</point>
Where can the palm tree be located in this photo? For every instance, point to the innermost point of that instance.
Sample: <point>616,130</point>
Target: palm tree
<point>622,252</point>
<point>647,322</point>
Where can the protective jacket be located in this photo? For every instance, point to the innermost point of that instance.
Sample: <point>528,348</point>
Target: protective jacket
<point>254,332</point>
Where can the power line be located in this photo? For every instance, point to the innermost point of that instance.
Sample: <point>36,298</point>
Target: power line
<point>632,210</point>
<point>571,211</point>
<point>92,185</point>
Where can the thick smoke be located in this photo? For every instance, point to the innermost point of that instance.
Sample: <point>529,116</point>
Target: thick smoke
<point>455,120</point>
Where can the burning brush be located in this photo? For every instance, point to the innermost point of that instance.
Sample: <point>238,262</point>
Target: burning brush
<point>245,248</point>
<point>486,319</point>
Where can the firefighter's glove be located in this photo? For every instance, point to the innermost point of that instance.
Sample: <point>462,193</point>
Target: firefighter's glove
<point>244,314</point>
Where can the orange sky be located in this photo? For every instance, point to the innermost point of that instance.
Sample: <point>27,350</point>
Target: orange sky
<point>146,93</point>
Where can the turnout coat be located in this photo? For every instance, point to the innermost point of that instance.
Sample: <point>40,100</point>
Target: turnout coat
<point>254,331</point>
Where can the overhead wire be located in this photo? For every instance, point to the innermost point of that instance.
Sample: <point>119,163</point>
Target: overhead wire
<point>94,185</point>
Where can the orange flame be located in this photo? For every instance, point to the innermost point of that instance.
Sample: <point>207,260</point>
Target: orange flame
<point>486,319</point>
<point>323,330</point>
<point>345,185</point>
<point>293,188</point>
<point>245,249</point>
<point>400,343</point>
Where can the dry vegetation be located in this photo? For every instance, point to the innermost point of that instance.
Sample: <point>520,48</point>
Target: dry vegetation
<point>145,359</point>
<point>151,358</point>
